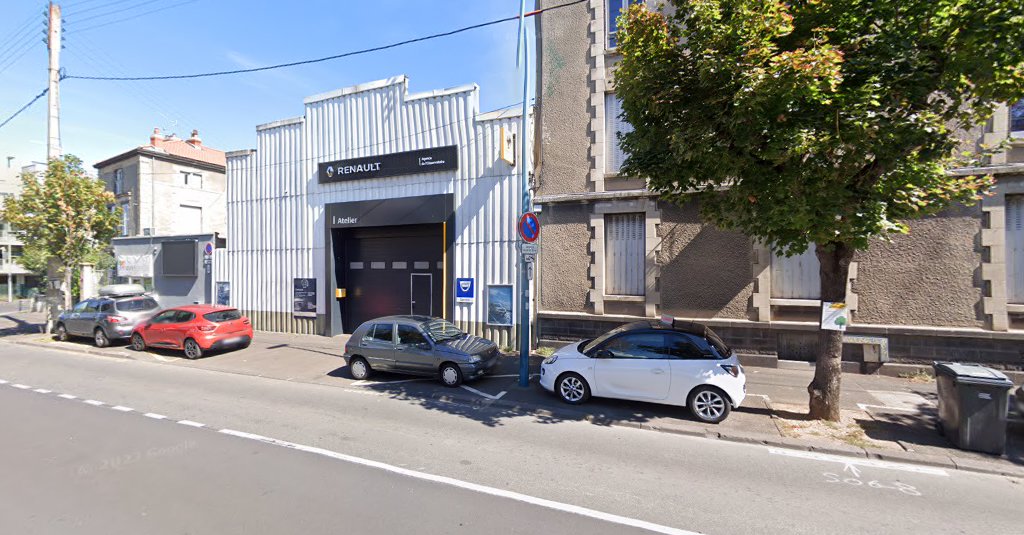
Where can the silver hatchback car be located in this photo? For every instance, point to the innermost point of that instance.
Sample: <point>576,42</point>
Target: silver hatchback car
<point>109,317</point>
<point>418,345</point>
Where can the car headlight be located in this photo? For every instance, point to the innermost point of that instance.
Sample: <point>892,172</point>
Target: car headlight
<point>551,359</point>
<point>475,358</point>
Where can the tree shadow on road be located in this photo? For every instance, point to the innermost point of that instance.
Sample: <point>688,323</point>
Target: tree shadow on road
<point>11,324</point>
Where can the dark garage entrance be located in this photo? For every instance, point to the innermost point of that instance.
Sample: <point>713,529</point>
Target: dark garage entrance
<point>389,270</point>
<point>388,257</point>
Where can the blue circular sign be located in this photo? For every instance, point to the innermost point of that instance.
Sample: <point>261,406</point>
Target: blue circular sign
<point>209,248</point>
<point>529,227</point>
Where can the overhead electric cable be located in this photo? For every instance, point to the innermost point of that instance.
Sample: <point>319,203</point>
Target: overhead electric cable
<point>135,16</point>
<point>328,58</point>
<point>25,107</point>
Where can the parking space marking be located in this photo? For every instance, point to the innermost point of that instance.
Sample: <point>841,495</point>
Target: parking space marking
<point>867,408</point>
<point>852,461</point>
<point>900,400</point>
<point>483,394</point>
<point>372,383</point>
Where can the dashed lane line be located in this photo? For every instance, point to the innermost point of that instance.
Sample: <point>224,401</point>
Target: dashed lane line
<point>121,408</point>
<point>190,423</point>
<point>93,402</point>
<point>21,386</point>
<point>155,416</point>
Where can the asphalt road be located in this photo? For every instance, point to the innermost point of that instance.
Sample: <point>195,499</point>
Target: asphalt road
<point>388,463</point>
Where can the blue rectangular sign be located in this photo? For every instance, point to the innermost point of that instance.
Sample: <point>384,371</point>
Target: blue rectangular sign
<point>465,290</point>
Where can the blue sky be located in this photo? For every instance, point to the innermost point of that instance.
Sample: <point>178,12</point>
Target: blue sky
<point>102,119</point>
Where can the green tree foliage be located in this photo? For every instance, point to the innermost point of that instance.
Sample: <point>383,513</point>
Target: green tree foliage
<point>815,122</point>
<point>65,215</point>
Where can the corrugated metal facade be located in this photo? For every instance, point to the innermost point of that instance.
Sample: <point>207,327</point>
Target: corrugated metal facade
<point>276,206</point>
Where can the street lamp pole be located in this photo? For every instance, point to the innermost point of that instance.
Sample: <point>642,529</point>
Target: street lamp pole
<point>527,207</point>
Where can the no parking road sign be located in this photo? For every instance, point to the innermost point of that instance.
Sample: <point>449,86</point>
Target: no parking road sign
<point>529,227</point>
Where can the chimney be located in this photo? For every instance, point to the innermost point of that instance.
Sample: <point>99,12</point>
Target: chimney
<point>194,140</point>
<point>156,140</point>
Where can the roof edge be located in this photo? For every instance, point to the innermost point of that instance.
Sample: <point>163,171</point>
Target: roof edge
<point>280,123</point>
<point>368,86</point>
<point>465,88</point>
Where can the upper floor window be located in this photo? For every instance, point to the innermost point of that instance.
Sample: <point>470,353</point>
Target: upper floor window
<point>1017,118</point>
<point>613,126</point>
<point>118,181</point>
<point>192,180</point>
<point>126,219</point>
<point>615,8</point>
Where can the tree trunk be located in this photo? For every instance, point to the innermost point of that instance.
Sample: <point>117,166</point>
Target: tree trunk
<point>68,272</point>
<point>834,259</point>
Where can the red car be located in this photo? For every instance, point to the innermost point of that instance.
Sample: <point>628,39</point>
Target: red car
<point>194,328</point>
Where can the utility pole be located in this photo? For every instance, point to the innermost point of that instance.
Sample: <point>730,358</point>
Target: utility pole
<point>527,207</point>
<point>53,43</point>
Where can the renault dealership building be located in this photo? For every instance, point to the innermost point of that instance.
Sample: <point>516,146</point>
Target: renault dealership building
<point>376,201</point>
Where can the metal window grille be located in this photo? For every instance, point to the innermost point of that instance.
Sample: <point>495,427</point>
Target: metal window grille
<point>624,254</point>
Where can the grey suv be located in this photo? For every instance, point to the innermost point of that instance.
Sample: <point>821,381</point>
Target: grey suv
<point>108,317</point>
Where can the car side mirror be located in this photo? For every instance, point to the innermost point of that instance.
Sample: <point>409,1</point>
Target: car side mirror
<point>603,354</point>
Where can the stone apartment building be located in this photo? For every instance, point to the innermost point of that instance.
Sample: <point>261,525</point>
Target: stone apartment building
<point>613,252</point>
<point>171,186</point>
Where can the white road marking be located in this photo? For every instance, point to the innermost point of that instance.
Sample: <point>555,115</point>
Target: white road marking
<point>479,393</point>
<point>510,375</point>
<point>3,382</point>
<point>900,400</point>
<point>866,408</point>
<point>852,469</point>
<point>373,383</point>
<point>871,463</point>
<point>190,423</point>
<point>759,396</point>
<point>21,386</point>
<point>154,416</point>
<point>122,408</point>
<point>42,391</point>
<point>483,489</point>
<point>93,402</point>
<point>158,357</point>
<point>364,392</point>
<point>66,396</point>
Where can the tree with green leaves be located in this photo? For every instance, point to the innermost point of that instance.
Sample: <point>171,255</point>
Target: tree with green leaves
<point>65,216</point>
<point>815,122</point>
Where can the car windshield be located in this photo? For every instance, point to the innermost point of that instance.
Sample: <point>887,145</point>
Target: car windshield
<point>138,304</point>
<point>441,330</point>
<point>600,339</point>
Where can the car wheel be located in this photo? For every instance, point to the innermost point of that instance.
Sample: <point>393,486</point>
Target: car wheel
<point>709,405</point>
<point>451,375</point>
<point>138,343</point>
<point>359,369</point>
<point>100,338</point>
<point>62,333</point>
<point>192,349</point>
<point>573,389</point>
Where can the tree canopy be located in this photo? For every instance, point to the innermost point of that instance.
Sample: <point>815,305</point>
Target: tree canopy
<point>814,121</point>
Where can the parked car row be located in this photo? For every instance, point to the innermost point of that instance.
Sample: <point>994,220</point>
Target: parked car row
<point>126,312</point>
<point>668,362</point>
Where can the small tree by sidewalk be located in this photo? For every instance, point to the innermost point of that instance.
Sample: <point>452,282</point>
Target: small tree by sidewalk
<point>814,122</point>
<point>65,216</point>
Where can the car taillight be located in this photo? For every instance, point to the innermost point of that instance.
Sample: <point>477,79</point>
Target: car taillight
<point>207,328</point>
<point>116,319</point>
<point>734,370</point>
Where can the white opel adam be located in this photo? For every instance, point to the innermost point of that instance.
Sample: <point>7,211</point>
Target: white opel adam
<point>668,362</point>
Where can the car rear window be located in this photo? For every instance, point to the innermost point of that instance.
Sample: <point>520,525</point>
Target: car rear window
<point>221,316</point>
<point>718,343</point>
<point>138,304</point>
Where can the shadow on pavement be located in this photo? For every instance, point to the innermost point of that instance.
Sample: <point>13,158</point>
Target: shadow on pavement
<point>12,324</point>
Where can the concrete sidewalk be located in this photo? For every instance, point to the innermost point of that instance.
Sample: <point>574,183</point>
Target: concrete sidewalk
<point>883,417</point>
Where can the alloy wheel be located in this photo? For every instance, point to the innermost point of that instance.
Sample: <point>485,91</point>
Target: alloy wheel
<point>709,405</point>
<point>572,389</point>
<point>138,343</point>
<point>192,349</point>
<point>101,338</point>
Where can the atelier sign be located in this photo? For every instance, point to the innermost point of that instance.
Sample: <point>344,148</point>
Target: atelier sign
<point>395,164</point>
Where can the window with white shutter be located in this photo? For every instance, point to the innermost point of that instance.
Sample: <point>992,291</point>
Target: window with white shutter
<point>624,254</point>
<point>1015,249</point>
<point>796,277</point>
<point>614,125</point>
<point>118,181</point>
<point>126,219</point>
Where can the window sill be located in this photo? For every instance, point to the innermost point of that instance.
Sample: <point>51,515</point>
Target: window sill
<point>1015,308</point>
<point>626,298</point>
<point>778,302</point>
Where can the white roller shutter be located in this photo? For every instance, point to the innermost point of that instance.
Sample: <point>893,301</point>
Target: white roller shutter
<point>189,219</point>
<point>613,125</point>
<point>796,277</point>
<point>624,254</point>
<point>1015,249</point>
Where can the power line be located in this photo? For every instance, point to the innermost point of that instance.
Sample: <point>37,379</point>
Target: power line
<point>6,65</point>
<point>137,15</point>
<point>21,29</point>
<point>25,107</point>
<point>329,58</point>
<point>76,12</point>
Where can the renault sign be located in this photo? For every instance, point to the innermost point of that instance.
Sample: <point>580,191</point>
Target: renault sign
<point>395,164</point>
